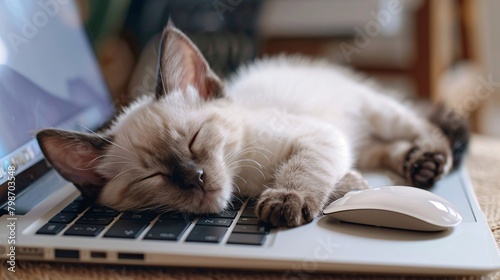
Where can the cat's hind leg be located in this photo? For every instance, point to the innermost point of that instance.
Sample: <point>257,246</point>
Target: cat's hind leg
<point>421,166</point>
<point>406,142</point>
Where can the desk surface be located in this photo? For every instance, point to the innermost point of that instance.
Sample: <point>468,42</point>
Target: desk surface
<point>483,163</point>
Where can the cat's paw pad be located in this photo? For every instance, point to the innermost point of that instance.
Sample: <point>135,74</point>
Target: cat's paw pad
<point>423,169</point>
<point>285,208</point>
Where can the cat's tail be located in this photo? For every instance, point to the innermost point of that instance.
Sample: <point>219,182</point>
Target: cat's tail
<point>454,126</point>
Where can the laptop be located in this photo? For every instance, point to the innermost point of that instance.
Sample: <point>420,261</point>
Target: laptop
<point>49,77</point>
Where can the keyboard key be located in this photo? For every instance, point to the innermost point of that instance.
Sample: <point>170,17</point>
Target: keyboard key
<point>79,199</point>
<point>206,234</point>
<point>94,220</point>
<point>236,204</point>
<point>167,230</point>
<point>51,229</point>
<point>63,218</point>
<point>220,222</point>
<point>248,221</point>
<point>246,239</point>
<point>145,216</point>
<point>251,203</point>
<point>178,216</point>
<point>102,211</point>
<point>251,229</point>
<point>84,230</point>
<point>126,229</point>
<point>249,213</point>
<point>74,207</point>
<point>226,214</point>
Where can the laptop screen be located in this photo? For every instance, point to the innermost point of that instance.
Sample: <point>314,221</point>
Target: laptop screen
<point>48,78</point>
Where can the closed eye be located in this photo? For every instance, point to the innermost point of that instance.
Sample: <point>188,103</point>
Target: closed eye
<point>192,141</point>
<point>152,176</point>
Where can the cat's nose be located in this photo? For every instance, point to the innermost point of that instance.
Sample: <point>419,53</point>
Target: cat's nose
<point>195,179</point>
<point>188,175</point>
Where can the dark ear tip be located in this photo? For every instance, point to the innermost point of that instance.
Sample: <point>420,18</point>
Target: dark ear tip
<point>47,132</point>
<point>40,134</point>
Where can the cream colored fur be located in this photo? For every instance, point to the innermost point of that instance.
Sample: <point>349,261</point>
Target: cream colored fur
<point>298,126</point>
<point>289,130</point>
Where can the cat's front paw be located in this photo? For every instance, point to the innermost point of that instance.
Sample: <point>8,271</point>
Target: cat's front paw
<point>423,169</point>
<point>284,208</point>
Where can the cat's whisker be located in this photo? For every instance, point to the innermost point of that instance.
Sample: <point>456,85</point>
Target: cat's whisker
<point>263,148</point>
<point>115,162</point>
<point>264,155</point>
<point>111,156</point>
<point>107,140</point>
<point>245,145</point>
<point>235,154</point>
<point>231,203</point>
<point>239,190</point>
<point>129,142</point>
<point>151,118</point>
<point>246,160</point>
<point>73,146</point>
<point>241,178</point>
<point>276,139</point>
<point>251,166</point>
<point>238,198</point>
<point>107,163</point>
<point>247,148</point>
<point>255,149</point>
<point>123,172</point>
<point>83,169</point>
<point>154,51</point>
<point>231,155</point>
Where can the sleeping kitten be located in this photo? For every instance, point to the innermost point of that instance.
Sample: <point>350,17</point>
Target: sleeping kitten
<point>287,129</point>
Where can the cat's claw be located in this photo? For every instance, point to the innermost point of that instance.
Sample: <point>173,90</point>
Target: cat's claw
<point>285,208</point>
<point>423,169</point>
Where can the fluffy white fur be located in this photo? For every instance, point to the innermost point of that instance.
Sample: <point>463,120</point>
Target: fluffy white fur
<point>289,130</point>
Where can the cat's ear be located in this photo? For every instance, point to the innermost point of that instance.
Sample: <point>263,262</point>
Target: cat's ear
<point>75,156</point>
<point>180,64</point>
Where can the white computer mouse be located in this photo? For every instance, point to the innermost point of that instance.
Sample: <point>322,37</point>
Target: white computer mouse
<point>396,207</point>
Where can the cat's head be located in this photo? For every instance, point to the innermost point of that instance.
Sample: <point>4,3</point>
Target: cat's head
<point>171,150</point>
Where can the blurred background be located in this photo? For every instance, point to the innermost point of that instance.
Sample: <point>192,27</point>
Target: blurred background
<point>442,50</point>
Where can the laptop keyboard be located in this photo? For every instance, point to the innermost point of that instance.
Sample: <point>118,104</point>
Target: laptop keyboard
<point>238,222</point>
